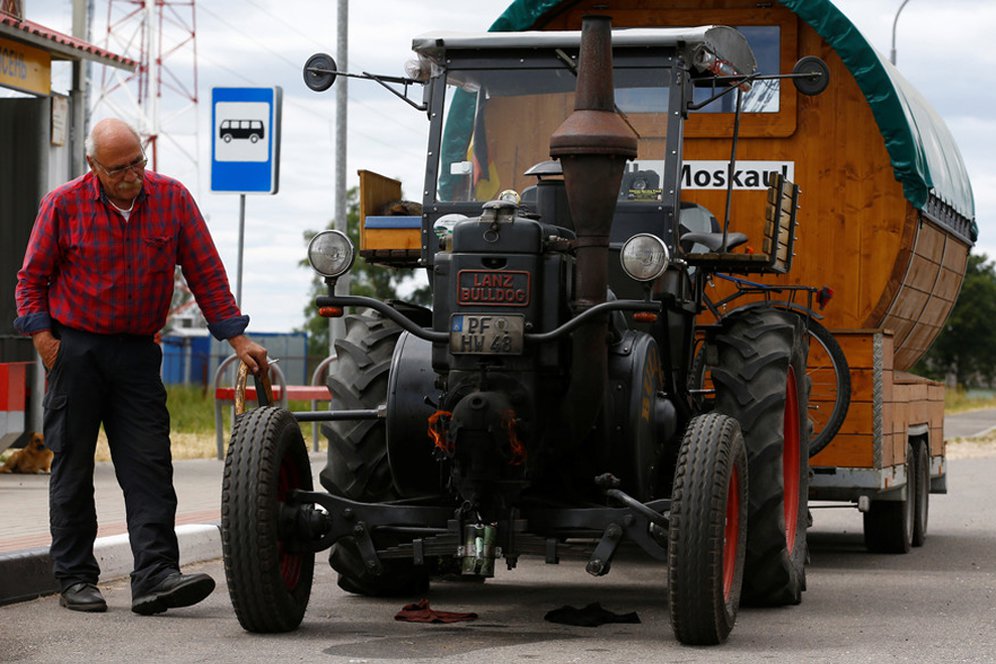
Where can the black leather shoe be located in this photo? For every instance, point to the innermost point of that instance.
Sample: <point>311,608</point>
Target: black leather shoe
<point>174,591</point>
<point>83,597</point>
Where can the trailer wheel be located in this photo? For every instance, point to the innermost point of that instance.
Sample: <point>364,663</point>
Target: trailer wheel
<point>708,530</point>
<point>888,524</point>
<point>921,506</point>
<point>760,382</point>
<point>269,579</point>
<point>358,466</point>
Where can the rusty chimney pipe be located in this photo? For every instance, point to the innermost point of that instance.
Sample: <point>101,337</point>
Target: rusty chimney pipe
<point>593,144</point>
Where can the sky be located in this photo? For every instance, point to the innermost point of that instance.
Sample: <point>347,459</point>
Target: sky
<point>941,50</point>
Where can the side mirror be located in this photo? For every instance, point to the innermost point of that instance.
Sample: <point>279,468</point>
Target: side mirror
<point>320,72</point>
<point>811,75</point>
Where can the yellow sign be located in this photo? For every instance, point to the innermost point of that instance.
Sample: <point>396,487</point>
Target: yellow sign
<point>25,68</point>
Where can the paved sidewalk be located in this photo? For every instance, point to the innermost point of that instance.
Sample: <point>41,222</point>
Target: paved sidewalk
<point>25,569</point>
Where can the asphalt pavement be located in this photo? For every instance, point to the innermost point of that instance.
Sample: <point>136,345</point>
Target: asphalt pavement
<point>971,424</point>
<point>25,570</point>
<point>935,604</point>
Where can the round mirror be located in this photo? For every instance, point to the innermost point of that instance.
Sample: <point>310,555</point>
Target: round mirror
<point>815,75</point>
<point>320,72</point>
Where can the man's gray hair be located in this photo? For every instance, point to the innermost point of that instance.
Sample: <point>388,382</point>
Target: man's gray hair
<point>91,145</point>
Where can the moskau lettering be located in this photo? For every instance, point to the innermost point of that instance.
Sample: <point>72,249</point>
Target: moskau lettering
<point>12,64</point>
<point>742,178</point>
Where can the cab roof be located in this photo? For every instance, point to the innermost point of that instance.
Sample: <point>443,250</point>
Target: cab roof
<point>725,43</point>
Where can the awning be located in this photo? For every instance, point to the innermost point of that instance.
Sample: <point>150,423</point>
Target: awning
<point>59,45</point>
<point>924,155</point>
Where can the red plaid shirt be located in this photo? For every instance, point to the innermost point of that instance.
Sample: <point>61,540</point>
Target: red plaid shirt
<point>91,270</point>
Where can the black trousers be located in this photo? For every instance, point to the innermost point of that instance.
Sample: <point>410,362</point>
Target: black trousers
<point>114,380</point>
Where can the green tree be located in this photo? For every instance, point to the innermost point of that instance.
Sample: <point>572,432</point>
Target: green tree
<point>374,281</point>
<point>966,347</point>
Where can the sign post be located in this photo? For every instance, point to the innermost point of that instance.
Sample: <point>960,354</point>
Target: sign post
<point>245,148</point>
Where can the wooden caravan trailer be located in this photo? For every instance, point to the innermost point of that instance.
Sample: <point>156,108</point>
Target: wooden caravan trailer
<point>886,221</point>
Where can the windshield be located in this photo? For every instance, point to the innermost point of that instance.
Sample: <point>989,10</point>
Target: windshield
<point>499,122</point>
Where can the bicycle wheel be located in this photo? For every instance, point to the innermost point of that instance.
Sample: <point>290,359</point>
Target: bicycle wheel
<point>830,386</point>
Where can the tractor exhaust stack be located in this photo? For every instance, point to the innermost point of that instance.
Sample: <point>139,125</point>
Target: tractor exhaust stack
<point>592,144</point>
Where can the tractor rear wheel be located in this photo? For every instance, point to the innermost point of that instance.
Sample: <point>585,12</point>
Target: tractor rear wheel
<point>760,381</point>
<point>708,530</point>
<point>269,577</point>
<point>358,466</point>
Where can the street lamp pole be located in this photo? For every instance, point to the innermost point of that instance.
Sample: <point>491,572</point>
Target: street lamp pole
<point>892,53</point>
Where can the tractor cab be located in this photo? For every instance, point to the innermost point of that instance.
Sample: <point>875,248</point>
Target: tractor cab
<point>495,99</point>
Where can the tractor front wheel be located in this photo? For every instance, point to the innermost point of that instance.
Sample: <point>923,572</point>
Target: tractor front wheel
<point>708,530</point>
<point>269,573</point>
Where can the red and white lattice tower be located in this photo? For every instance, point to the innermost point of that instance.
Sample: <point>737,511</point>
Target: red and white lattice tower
<point>160,97</point>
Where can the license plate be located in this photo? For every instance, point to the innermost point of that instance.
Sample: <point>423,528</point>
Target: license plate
<point>484,334</point>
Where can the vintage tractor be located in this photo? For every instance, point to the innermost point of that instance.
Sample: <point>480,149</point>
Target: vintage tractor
<point>562,398</point>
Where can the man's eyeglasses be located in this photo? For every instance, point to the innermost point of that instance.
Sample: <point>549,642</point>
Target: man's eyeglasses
<point>138,166</point>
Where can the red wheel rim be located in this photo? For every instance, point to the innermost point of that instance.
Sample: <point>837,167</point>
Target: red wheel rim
<point>791,455</point>
<point>731,532</point>
<point>290,563</point>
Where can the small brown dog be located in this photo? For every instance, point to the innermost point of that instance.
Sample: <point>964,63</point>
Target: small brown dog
<point>34,458</point>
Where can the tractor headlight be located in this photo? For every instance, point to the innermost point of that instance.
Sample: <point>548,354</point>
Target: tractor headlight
<point>331,253</point>
<point>644,257</point>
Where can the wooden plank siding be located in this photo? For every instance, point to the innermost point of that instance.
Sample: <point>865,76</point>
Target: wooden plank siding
<point>888,266</point>
<point>885,405</point>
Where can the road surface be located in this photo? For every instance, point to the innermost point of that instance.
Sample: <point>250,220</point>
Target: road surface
<point>936,604</point>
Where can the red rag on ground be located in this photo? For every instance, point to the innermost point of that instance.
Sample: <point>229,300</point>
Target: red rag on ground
<point>420,612</point>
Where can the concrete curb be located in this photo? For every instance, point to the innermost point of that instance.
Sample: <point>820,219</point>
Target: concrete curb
<point>28,574</point>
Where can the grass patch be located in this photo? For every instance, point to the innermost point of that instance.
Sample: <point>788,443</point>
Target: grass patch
<point>191,412</point>
<point>959,401</point>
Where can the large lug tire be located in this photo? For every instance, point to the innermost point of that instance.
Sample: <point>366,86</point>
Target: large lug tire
<point>708,530</point>
<point>358,465</point>
<point>829,385</point>
<point>888,524</point>
<point>269,578</point>
<point>921,505</point>
<point>760,382</point>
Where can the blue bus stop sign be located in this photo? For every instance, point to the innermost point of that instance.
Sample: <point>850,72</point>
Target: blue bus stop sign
<point>245,140</point>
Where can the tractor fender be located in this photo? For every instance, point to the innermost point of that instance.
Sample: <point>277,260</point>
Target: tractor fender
<point>411,383</point>
<point>784,305</point>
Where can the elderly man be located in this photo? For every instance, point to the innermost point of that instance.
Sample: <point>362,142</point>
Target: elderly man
<point>94,289</point>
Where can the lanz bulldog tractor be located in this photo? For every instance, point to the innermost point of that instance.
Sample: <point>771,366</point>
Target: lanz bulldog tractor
<point>568,394</point>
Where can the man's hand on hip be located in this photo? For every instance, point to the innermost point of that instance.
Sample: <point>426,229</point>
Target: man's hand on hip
<point>48,348</point>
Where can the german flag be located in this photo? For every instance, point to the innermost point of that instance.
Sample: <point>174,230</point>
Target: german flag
<point>486,182</point>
